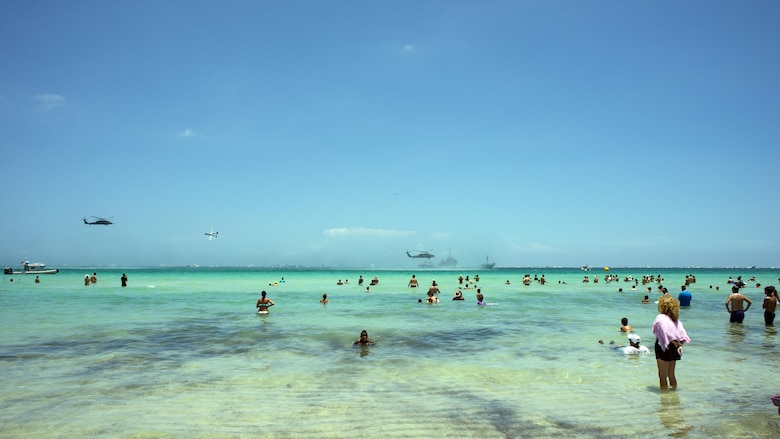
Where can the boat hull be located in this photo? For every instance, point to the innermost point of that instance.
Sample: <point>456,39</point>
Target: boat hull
<point>48,271</point>
<point>28,268</point>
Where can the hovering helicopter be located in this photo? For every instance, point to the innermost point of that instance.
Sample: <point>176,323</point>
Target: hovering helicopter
<point>212,234</point>
<point>424,254</point>
<point>98,221</point>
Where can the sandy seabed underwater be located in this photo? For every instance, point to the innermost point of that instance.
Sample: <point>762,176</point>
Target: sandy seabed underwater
<point>181,353</point>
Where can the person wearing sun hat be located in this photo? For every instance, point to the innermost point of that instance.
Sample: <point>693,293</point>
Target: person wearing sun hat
<point>633,347</point>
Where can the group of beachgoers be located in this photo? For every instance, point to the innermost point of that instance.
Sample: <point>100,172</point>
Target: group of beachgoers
<point>432,295</point>
<point>670,333</point>
<point>670,338</point>
<point>90,279</point>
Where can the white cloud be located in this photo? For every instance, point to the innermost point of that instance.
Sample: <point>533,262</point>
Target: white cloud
<point>49,102</point>
<point>363,231</point>
<point>401,49</point>
<point>188,133</point>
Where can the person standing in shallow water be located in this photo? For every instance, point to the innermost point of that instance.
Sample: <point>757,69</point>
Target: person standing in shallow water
<point>480,297</point>
<point>263,303</point>
<point>671,336</point>
<point>736,299</point>
<point>433,290</point>
<point>684,297</point>
<point>769,305</point>
<point>124,279</point>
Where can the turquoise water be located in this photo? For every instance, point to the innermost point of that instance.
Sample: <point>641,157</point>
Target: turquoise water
<point>181,353</point>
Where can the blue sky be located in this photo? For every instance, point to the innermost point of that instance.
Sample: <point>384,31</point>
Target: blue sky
<point>344,133</point>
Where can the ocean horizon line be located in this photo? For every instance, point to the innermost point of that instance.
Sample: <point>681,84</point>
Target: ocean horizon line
<point>605,269</point>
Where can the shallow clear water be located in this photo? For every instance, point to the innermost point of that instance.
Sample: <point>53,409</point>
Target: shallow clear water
<point>181,353</point>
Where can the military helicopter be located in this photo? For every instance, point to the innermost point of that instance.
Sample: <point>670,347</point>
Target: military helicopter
<point>98,221</point>
<point>421,254</point>
<point>212,234</point>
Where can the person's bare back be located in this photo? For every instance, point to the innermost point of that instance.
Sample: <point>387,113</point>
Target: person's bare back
<point>736,299</point>
<point>770,303</point>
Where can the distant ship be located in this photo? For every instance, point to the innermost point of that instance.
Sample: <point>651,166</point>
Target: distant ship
<point>488,265</point>
<point>450,262</point>
<point>585,267</point>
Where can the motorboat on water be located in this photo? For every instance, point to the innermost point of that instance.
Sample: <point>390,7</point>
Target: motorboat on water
<point>31,268</point>
<point>585,267</point>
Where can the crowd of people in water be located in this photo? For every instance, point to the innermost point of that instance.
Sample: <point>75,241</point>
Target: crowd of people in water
<point>669,331</point>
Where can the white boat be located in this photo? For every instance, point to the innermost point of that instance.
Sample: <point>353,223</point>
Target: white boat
<point>585,267</point>
<point>31,268</point>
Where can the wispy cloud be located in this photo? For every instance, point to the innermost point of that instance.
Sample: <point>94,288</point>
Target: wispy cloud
<point>49,102</point>
<point>401,48</point>
<point>363,231</point>
<point>188,133</point>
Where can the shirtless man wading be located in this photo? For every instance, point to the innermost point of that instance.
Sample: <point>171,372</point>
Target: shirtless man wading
<point>736,299</point>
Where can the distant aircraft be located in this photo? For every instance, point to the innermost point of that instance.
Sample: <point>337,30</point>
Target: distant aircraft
<point>98,221</point>
<point>421,254</point>
<point>212,234</point>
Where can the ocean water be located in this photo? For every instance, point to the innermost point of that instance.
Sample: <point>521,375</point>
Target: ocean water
<point>181,353</point>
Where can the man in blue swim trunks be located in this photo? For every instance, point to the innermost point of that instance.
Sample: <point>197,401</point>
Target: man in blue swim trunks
<point>736,299</point>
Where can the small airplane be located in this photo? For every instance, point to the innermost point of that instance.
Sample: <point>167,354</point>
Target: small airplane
<point>212,234</point>
<point>421,254</point>
<point>98,221</point>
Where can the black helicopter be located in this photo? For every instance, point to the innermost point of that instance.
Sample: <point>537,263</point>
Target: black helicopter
<point>424,254</point>
<point>98,221</point>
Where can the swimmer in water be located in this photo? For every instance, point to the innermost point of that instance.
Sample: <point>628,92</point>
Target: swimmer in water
<point>363,338</point>
<point>480,297</point>
<point>633,347</point>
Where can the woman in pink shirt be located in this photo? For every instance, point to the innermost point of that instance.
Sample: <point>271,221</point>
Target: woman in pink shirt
<point>671,336</point>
